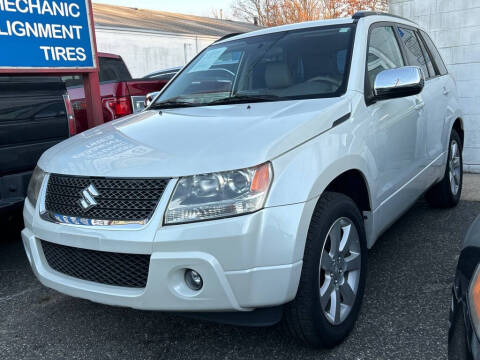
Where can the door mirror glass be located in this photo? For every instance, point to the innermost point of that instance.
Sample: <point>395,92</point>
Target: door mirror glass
<point>400,82</point>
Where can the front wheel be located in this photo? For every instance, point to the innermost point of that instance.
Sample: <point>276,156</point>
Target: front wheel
<point>333,275</point>
<point>447,193</point>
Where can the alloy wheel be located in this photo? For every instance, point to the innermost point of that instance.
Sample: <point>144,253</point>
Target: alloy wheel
<point>455,167</point>
<point>339,271</point>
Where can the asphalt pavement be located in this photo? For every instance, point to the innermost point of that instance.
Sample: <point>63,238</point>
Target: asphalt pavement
<point>404,314</point>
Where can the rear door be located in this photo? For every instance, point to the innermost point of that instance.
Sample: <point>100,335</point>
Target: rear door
<point>434,107</point>
<point>445,91</point>
<point>33,118</point>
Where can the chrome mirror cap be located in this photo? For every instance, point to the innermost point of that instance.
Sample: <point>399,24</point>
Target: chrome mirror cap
<point>150,98</point>
<point>400,82</point>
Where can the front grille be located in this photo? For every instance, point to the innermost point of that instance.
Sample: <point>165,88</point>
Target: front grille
<point>126,270</point>
<point>118,199</point>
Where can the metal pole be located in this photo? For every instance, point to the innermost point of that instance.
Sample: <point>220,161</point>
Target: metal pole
<point>94,109</point>
<point>91,84</point>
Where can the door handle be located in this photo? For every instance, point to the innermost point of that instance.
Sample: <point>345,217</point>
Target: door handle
<point>419,104</point>
<point>445,91</point>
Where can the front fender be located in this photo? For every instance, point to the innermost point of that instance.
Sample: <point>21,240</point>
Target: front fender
<point>305,172</point>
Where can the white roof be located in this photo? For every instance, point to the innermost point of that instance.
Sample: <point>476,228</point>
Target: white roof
<point>302,25</point>
<point>317,23</point>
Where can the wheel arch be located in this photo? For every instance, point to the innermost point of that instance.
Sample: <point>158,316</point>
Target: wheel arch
<point>458,126</point>
<point>310,175</point>
<point>353,184</point>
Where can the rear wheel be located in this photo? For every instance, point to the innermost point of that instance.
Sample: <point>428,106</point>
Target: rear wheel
<point>333,275</point>
<point>447,193</point>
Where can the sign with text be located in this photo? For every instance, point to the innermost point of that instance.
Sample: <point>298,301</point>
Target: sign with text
<point>46,34</point>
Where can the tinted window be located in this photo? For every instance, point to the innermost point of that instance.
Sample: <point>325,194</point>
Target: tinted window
<point>113,70</point>
<point>110,70</point>
<point>72,80</point>
<point>428,60</point>
<point>413,50</point>
<point>436,55</point>
<point>383,53</point>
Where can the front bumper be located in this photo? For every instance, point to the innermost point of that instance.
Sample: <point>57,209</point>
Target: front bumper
<point>246,262</point>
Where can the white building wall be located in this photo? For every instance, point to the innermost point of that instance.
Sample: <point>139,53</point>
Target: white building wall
<point>454,26</point>
<point>148,51</point>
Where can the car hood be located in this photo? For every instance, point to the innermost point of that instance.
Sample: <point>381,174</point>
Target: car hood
<point>187,141</point>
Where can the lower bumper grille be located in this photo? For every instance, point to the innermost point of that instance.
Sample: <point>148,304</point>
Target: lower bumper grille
<point>126,270</point>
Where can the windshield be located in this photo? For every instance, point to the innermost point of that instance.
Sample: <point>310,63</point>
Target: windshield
<point>306,63</point>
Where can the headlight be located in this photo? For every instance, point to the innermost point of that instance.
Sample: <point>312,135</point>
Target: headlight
<point>35,185</point>
<point>219,195</point>
<point>474,300</point>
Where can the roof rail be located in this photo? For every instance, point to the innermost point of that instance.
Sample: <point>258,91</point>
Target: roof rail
<point>361,14</point>
<point>228,36</point>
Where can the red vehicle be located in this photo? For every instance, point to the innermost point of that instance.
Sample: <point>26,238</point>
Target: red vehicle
<point>121,95</point>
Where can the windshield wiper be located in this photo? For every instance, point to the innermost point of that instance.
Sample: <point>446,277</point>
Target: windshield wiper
<point>172,103</point>
<point>238,99</point>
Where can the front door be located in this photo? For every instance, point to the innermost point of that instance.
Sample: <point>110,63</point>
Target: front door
<point>397,139</point>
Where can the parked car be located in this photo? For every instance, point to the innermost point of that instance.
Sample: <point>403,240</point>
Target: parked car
<point>464,334</point>
<point>166,74</point>
<point>35,114</point>
<point>252,193</point>
<point>121,95</point>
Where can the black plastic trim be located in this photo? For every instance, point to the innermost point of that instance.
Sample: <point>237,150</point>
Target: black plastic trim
<point>341,120</point>
<point>362,14</point>
<point>228,36</point>
<point>257,318</point>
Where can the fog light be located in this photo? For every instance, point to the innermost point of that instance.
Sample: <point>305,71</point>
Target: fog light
<point>193,279</point>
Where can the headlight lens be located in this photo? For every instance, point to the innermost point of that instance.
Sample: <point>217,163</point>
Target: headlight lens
<point>219,195</point>
<point>35,185</point>
<point>474,300</point>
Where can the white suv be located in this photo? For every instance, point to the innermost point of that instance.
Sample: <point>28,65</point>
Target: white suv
<point>253,185</point>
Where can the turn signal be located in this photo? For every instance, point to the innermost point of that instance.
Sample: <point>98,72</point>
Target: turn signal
<point>261,179</point>
<point>474,300</point>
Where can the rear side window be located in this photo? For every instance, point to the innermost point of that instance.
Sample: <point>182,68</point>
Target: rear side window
<point>383,53</point>
<point>72,80</point>
<point>413,50</point>
<point>112,69</point>
<point>436,55</point>
<point>428,60</point>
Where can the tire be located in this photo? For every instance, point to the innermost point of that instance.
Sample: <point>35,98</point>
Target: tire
<point>442,195</point>
<point>457,339</point>
<point>307,318</point>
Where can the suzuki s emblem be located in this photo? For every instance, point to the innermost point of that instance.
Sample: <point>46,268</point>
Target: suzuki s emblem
<point>87,200</point>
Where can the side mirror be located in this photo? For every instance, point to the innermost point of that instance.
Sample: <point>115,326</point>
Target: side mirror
<point>150,97</point>
<point>400,82</point>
